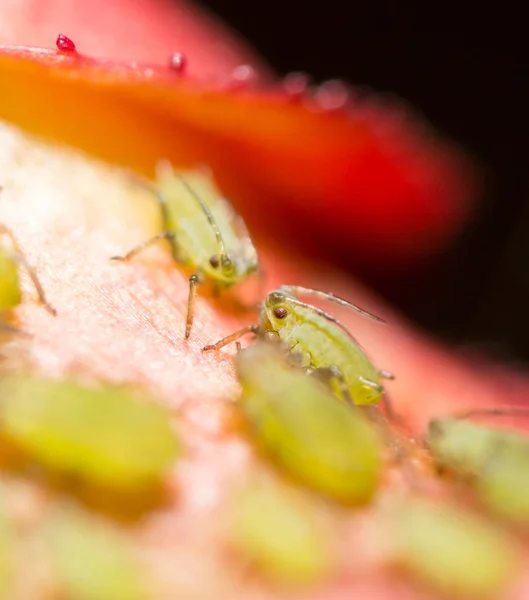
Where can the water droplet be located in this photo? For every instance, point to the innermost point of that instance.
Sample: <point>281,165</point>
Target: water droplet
<point>296,84</point>
<point>242,74</point>
<point>178,62</point>
<point>332,95</point>
<point>65,44</point>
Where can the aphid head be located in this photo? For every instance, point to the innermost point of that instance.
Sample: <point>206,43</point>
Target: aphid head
<point>278,310</point>
<point>223,269</point>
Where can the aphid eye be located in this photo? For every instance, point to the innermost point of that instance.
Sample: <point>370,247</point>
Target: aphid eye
<point>214,261</point>
<point>280,312</point>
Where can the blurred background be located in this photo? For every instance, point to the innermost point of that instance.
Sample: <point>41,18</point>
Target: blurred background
<point>466,67</point>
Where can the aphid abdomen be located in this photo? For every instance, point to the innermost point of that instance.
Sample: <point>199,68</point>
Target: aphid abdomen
<point>312,452</point>
<point>460,445</point>
<point>356,369</point>
<point>316,439</point>
<point>328,347</point>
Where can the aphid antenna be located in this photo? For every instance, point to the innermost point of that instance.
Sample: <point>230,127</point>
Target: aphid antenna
<point>209,216</point>
<point>19,257</point>
<point>8,328</point>
<point>325,315</point>
<point>297,289</point>
<point>504,411</point>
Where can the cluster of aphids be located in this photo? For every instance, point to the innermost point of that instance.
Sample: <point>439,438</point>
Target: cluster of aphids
<point>309,399</point>
<point>309,391</point>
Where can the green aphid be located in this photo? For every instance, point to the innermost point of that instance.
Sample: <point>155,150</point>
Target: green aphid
<point>453,550</point>
<point>91,560</point>
<point>107,436</point>
<point>207,237</point>
<point>468,448</point>
<point>319,342</point>
<point>305,430</point>
<point>280,532</point>
<point>10,292</point>
<point>494,461</point>
<point>5,550</point>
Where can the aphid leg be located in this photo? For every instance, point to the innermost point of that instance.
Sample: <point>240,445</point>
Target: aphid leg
<point>33,276</point>
<point>330,374</point>
<point>386,374</point>
<point>194,282</point>
<point>233,337</point>
<point>164,235</point>
<point>388,405</point>
<point>372,384</point>
<point>238,347</point>
<point>504,411</point>
<point>164,210</point>
<point>398,445</point>
<point>295,359</point>
<point>297,289</point>
<point>8,328</point>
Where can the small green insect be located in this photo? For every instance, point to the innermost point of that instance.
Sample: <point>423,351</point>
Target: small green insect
<point>6,551</point>
<point>207,237</point>
<point>91,559</point>
<point>319,342</point>
<point>280,532</point>
<point>108,436</point>
<point>10,293</point>
<point>493,461</point>
<point>453,550</point>
<point>305,430</point>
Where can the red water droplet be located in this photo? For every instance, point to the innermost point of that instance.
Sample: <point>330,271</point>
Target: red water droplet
<point>296,84</point>
<point>65,44</point>
<point>332,95</point>
<point>178,62</point>
<point>241,75</point>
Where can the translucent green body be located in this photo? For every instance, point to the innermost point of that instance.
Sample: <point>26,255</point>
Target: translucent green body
<point>453,550</point>
<point>107,436</point>
<point>495,461</point>
<point>467,447</point>
<point>279,531</point>
<point>6,554</point>
<point>10,294</point>
<point>195,240</point>
<point>305,430</point>
<point>322,344</point>
<point>91,560</point>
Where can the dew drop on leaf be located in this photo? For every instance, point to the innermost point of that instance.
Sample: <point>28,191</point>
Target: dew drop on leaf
<point>65,44</point>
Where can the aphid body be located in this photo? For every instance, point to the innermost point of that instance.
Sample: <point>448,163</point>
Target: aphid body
<point>279,530</point>
<point>76,537</point>
<point>305,430</point>
<point>107,436</point>
<point>207,237</point>
<point>319,342</point>
<point>452,549</point>
<point>469,448</point>
<point>494,461</point>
